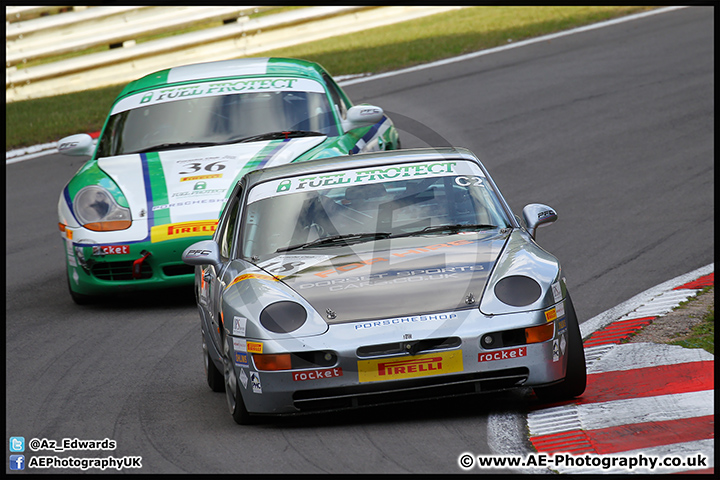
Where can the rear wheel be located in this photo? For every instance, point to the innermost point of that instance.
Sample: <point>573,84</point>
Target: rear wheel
<point>573,385</point>
<point>232,389</point>
<point>215,378</point>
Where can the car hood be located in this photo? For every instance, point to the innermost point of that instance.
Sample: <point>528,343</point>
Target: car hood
<point>392,278</point>
<point>191,184</point>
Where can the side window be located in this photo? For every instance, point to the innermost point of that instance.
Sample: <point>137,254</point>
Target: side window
<point>337,98</point>
<point>226,230</point>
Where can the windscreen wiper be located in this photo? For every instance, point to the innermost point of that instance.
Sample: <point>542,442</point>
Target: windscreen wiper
<point>446,228</point>
<point>335,239</point>
<point>172,146</point>
<point>280,135</point>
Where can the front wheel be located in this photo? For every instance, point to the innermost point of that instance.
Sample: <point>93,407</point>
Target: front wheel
<point>232,390</point>
<point>78,298</point>
<point>573,385</point>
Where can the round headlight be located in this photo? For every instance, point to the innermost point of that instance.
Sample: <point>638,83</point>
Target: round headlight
<point>283,317</point>
<point>96,209</point>
<point>517,290</point>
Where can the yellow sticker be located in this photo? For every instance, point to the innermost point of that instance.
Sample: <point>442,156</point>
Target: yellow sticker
<point>551,315</point>
<point>254,347</point>
<point>201,177</point>
<point>171,231</point>
<point>410,367</point>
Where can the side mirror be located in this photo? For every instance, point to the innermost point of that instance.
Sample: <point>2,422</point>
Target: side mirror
<point>362,115</point>
<point>76,145</point>
<point>537,215</point>
<point>206,252</point>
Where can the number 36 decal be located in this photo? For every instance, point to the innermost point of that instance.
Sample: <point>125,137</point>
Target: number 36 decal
<point>469,181</point>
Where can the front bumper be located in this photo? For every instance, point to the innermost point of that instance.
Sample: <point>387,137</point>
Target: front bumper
<point>101,268</point>
<point>372,369</point>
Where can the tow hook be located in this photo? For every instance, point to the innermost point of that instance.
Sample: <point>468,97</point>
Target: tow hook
<point>137,264</point>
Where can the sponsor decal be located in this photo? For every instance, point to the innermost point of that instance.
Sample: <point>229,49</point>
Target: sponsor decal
<point>243,378</point>
<point>254,347</point>
<point>410,367</point>
<point>200,177</point>
<point>556,350</point>
<point>255,382</point>
<point>161,233</point>
<point>397,321</point>
<point>239,324</point>
<point>241,359</point>
<point>551,315</point>
<point>317,374</point>
<point>110,249</point>
<point>364,176</point>
<point>562,325</point>
<point>245,276</point>
<point>209,89</point>
<point>286,265</point>
<point>417,251</point>
<point>563,343</point>
<point>241,356</point>
<point>188,203</point>
<point>557,291</point>
<point>502,354</point>
<point>560,309</point>
<point>545,213</point>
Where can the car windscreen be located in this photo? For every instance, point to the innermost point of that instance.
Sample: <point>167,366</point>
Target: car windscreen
<point>215,113</point>
<point>316,211</point>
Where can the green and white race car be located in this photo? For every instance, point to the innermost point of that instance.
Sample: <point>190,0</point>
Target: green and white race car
<point>172,148</point>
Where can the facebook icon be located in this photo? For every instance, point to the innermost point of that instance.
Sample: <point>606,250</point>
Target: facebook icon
<point>17,462</point>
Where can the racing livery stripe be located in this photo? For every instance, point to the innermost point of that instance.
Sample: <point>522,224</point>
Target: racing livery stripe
<point>369,135</point>
<point>263,156</point>
<point>66,194</point>
<point>246,276</point>
<point>155,188</point>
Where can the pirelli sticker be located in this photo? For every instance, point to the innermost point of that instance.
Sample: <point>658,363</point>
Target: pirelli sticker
<point>171,231</point>
<point>410,367</point>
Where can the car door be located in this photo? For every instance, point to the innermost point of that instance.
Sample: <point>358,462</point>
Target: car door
<point>213,282</point>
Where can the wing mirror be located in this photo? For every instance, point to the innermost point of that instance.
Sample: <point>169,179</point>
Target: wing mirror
<point>77,145</point>
<point>206,252</point>
<point>362,116</point>
<point>537,215</point>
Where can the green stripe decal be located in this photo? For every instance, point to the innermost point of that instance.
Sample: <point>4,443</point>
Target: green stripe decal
<point>155,177</point>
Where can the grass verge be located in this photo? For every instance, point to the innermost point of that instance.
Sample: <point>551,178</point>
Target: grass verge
<point>701,335</point>
<point>381,49</point>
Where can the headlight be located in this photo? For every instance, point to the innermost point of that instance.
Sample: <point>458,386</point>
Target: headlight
<point>517,290</point>
<point>283,317</point>
<point>97,210</point>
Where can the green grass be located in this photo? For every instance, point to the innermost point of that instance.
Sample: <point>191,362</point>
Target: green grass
<point>373,51</point>
<point>701,335</point>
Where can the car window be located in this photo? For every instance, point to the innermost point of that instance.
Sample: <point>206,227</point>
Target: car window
<point>338,101</point>
<point>227,228</point>
<point>214,119</point>
<point>309,208</point>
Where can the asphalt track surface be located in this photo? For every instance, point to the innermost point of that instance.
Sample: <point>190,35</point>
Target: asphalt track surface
<point>612,127</point>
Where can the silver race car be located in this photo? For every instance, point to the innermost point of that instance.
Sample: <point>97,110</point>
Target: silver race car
<point>377,278</point>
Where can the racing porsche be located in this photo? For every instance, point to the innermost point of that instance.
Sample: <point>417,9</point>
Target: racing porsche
<point>174,144</point>
<point>385,277</point>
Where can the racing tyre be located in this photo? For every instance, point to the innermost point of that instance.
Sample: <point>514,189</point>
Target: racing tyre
<point>232,390</point>
<point>78,298</point>
<point>215,378</point>
<point>575,374</point>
